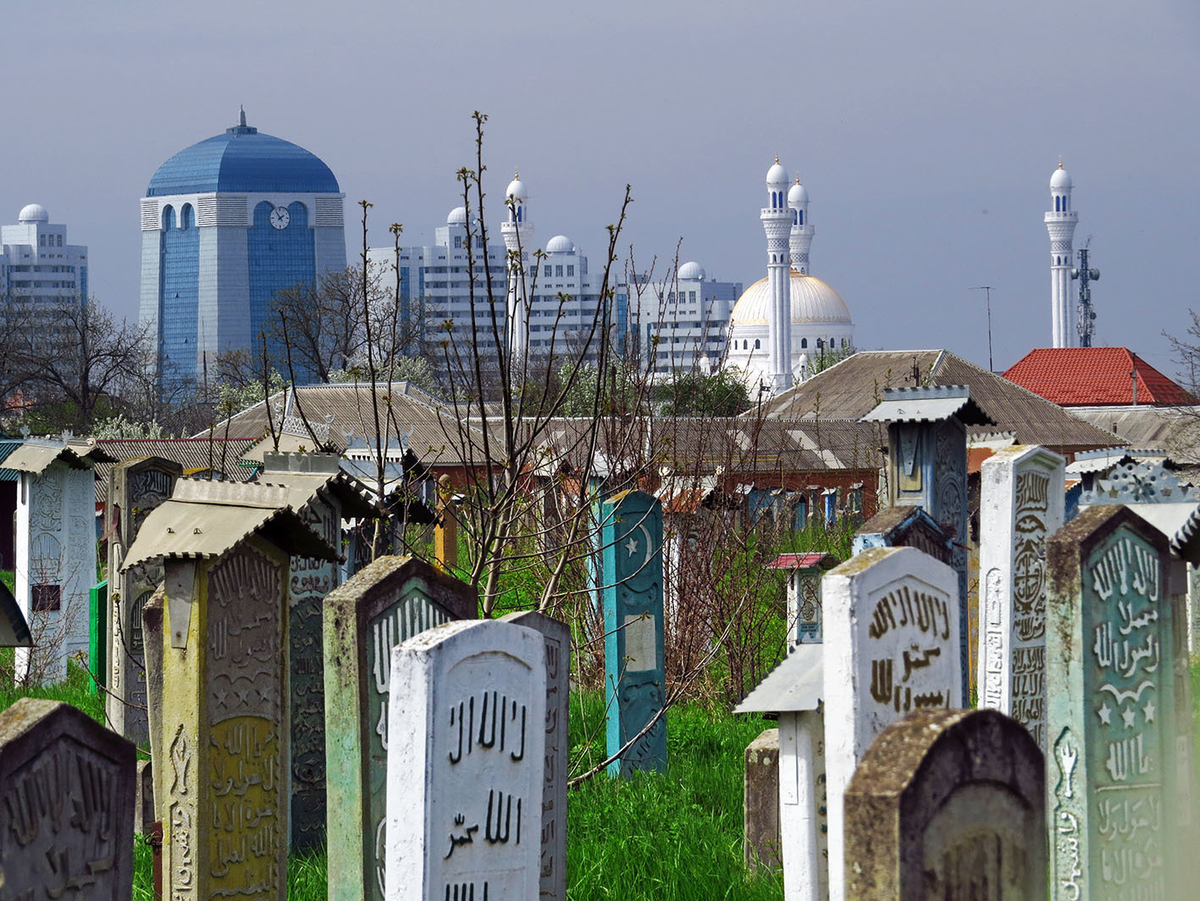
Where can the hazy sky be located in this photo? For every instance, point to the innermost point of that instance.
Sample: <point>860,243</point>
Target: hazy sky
<point>926,133</point>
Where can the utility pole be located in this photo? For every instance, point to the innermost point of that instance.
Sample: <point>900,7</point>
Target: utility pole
<point>988,290</point>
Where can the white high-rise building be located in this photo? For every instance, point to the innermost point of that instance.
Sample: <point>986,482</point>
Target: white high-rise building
<point>790,317</point>
<point>1060,223</point>
<point>38,268</point>
<point>680,323</point>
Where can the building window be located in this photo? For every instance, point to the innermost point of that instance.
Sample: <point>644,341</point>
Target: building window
<point>757,344</point>
<point>46,598</point>
<point>458,241</point>
<point>546,272</point>
<point>801,214</point>
<point>558,272</point>
<point>804,342</point>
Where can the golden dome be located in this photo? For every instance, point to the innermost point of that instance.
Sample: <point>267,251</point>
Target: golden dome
<point>813,301</point>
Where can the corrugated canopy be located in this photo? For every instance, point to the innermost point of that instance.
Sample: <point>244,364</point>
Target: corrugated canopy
<point>203,520</point>
<point>36,457</point>
<point>810,560</point>
<point>796,684</point>
<point>932,403</point>
<point>303,486</point>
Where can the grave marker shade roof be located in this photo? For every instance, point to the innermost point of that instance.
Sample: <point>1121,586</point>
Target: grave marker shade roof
<point>928,404</point>
<point>36,456</point>
<point>796,684</point>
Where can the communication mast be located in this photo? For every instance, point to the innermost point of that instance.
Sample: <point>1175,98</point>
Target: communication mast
<point>1087,316</point>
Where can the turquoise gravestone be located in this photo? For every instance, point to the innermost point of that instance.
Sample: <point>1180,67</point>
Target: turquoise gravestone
<point>631,534</point>
<point>1115,818</point>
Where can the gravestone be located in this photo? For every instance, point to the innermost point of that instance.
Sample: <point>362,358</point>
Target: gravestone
<point>55,554</point>
<point>135,489</point>
<point>557,636</point>
<point>1022,496</point>
<point>385,603</point>
<point>632,589</point>
<point>892,631</point>
<point>927,467</point>
<point>804,593</point>
<point>794,691</point>
<point>465,763</point>
<point>224,739</point>
<point>143,804</point>
<point>946,805</point>
<point>66,824</point>
<point>98,636</point>
<point>760,805</point>
<point>323,495</point>
<point>1116,816</point>
<point>152,630</point>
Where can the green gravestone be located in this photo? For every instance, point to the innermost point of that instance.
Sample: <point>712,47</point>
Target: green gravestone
<point>98,635</point>
<point>382,605</point>
<point>632,587</point>
<point>1114,816</point>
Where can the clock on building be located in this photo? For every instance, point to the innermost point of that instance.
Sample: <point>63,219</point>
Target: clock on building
<point>280,217</point>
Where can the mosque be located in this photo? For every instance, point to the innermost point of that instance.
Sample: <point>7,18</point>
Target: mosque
<point>783,320</point>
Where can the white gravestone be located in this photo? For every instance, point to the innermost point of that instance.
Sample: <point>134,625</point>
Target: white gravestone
<point>1021,505</point>
<point>892,645</point>
<point>466,745</point>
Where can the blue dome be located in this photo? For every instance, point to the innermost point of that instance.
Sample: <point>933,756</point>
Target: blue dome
<point>243,161</point>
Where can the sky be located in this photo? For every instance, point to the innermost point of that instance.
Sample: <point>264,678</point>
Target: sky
<point>925,132</point>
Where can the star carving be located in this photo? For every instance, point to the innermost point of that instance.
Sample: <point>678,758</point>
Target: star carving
<point>631,545</point>
<point>1148,711</point>
<point>1129,716</point>
<point>1105,713</point>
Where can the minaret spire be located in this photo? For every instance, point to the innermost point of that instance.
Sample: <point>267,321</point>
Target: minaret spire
<point>518,235</point>
<point>801,237</point>
<point>777,220</point>
<point>1060,224</point>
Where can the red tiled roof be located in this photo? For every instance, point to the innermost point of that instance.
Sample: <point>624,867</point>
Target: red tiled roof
<point>797,561</point>
<point>1095,376</point>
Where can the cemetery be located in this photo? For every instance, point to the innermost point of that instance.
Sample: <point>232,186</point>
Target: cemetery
<point>285,688</point>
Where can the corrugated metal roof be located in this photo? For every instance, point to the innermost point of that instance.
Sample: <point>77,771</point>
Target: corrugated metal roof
<point>796,684</point>
<point>933,403</point>
<point>205,519</point>
<point>304,486</point>
<point>804,561</point>
<point>35,456</point>
<point>190,453</point>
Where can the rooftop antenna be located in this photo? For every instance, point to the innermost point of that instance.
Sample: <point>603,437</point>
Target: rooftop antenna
<point>988,290</point>
<point>1087,316</point>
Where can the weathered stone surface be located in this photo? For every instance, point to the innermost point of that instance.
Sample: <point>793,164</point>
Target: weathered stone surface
<point>892,642</point>
<point>465,763</point>
<point>1022,496</point>
<point>152,631</point>
<point>387,602</point>
<point>143,806</point>
<point>631,536</point>
<point>557,637</point>
<point>66,824</point>
<point>1116,813</point>
<point>948,804</point>
<point>760,804</point>
<point>135,488</point>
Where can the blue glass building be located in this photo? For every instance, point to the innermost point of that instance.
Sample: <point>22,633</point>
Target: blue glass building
<point>226,223</point>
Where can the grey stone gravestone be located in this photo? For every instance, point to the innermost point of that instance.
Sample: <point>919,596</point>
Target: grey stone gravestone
<point>152,644</point>
<point>892,641</point>
<point>465,763</point>
<point>631,553</point>
<point>135,488</point>
<point>947,805</point>
<point>1022,496</point>
<point>143,806</point>
<point>385,603</point>
<point>557,636</point>
<point>66,824</point>
<point>760,803</point>
<point>1115,814</point>
<point>323,495</point>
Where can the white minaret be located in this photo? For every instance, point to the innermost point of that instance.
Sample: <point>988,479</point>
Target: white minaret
<point>1060,223</point>
<point>777,221</point>
<point>801,237</point>
<point>518,234</point>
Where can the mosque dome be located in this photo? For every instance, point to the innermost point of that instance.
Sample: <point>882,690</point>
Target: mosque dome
<point>33,212</point>
<point>813,301</point>
<point>1060,180</point>
<point>243,160</point>
<point>777,175</point>
<point>797,194</point>
<point>516,188</point>
<point>458,216</point>
<point>691,271</point>
<point>560,244</point>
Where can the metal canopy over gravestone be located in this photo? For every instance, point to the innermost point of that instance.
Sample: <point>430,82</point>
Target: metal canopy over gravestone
<point>323,495</point>
<point>385,603</point>
<point>927,467</point>
<point>66,824</point>
<point>794,690</point>
<point>632,588</point>
<point>135,489</point>
<point>56,552</point>
<point>557,637</point>
<point>892,641</point>
<point>804,593</point>
<point>1117,822</point>
<point>1022,496</point>
<point>948,804</point>
<point>225,550</point>
<point>465,764</point>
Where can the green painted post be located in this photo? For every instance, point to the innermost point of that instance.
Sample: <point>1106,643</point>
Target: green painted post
<point>98,635</point>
